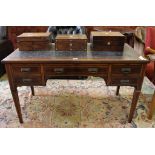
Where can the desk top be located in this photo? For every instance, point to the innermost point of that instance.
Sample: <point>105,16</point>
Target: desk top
<point>128,55</point>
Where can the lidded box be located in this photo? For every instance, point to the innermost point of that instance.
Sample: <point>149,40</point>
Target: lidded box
<point>107,41</point>
<point>33,41</point>
<point>66,42</point>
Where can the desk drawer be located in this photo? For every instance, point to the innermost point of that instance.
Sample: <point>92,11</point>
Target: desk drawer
<point>80,70</point>
<point>59,70</point>
<point>26,69</point>
<point>94,70</point>
<point>28,80</point>
<point>126,69</point>
<point>123,81</point>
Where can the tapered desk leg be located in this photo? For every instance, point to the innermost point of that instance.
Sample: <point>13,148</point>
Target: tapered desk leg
<point>117,91</point>
<point>32,90</point>
<point>17,104</point>
<point>133,104</point>
<point>151,107</point>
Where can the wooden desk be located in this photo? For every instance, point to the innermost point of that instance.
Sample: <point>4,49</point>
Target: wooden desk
<point>34,68</point>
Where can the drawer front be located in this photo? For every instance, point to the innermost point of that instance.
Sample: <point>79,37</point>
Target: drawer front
<point>28,80</point>
<point>59,70</point>
<point>101,47</point>
<point>109,42</point>
<point>62,45</point>
<point>26,69</point>
<point>78,46</point>
<point>71,45</point>
<point>80,70</point>
<point>94,70</point>
<point>33,46</point>
<point>40,46</point>
<point>25,43</point>
<point>112,38</point>
<point>123,81</point>
<point>25,46</point>
<point>126,69</point>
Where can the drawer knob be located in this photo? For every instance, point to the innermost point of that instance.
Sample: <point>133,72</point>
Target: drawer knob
<point>126,70</point>
<point>59,70</point>
<point>108,43</point>
<point>70,44</point>
<point>26,80</point>
<point>93,70</point>
<point>25,69</point>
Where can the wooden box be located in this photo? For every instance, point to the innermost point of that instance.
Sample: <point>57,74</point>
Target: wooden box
<point>33,41</point>
<point>66,42</point>
<point>107,41</point>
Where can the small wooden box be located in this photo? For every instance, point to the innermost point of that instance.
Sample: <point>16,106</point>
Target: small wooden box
<point>107,41</point>
<point>33,41</point>
<point>71,42</point>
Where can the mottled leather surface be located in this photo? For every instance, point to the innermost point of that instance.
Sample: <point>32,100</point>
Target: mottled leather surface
<point>44,56</point>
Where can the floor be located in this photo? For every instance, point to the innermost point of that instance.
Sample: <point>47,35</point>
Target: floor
<point>75,104</point>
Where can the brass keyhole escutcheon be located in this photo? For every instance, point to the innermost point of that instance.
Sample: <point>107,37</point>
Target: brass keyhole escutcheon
<point>108,43</point>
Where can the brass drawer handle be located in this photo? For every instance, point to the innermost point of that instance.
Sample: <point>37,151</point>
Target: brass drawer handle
<point>93,70</point>
<point>126,70</point>
<point>27,80</point>
<point>25,69</point>
<point>70,44</point>
<point>124,81</point>
<point>59,70</point>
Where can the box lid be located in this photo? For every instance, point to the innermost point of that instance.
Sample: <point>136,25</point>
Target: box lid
<point>37,36</point>
<point>68,36</point>
<point>106,33</point>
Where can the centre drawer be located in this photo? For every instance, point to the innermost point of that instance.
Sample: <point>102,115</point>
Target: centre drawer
<point>26,69</point>
<point>126,69</point>
<point>80,70</point>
